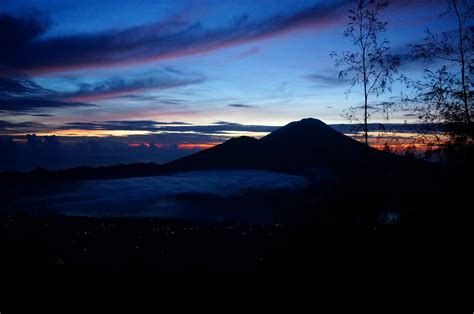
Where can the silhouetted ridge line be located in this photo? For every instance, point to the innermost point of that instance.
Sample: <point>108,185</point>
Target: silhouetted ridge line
<point>295,147</point>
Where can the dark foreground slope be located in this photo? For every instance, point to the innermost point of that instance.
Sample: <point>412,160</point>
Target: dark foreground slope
<point>82,244</point>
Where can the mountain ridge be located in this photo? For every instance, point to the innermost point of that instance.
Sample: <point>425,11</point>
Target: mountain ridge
<point>308,143</point>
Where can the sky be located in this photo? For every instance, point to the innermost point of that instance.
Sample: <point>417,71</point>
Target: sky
<point>187,74</point>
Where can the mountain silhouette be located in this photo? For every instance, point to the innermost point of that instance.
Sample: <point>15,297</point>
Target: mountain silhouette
<point>308,143</point>
<point>312,143</point>
<point>237,153</point>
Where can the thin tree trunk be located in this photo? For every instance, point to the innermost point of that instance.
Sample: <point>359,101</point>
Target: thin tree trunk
<point>366,129</point>
<point>463,64</point>
<point>364,67</point>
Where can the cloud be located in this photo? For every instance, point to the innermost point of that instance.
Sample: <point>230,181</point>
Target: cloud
<point>30,52</point>
<point>19,85</point>
<point>7,127</point>
<point>240,106</point>
<point>141,125</point>
<point>216,132</point>
<point>190,195</point>
<point>154,126</point>
<point>16,32</point>
<point>369,107</point>
<point>117,87</point>
<point>245,54</point>
<point>324,80</point>
<point>218,127</point>
<point>18,93</point>
<point>151,98</point>
<point>32,104</point>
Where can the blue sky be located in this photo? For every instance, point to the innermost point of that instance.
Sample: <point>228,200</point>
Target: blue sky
<point>193,59</point>
<point>180,73</point>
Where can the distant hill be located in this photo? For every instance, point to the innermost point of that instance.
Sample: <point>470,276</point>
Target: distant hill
<point>308,143</point>
<point>85,173</point>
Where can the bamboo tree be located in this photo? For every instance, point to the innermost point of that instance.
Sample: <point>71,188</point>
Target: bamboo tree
<point>370,63</point>
<point>445,94</point>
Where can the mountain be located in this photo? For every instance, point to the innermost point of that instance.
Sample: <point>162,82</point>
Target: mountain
<point>308,143</point>
<point>311,143</point>
<point>237,153</point>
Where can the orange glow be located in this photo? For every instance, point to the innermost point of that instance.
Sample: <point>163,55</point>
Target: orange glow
<point>180,146</point>
<point>196,146</point>
<point>87,133</point>
<point>145,144</point>
<point>418,147</point>
<point>401,142</point>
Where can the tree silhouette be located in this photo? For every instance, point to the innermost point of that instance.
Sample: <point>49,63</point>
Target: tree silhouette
<point>445,95</point>
<point>370,64</point>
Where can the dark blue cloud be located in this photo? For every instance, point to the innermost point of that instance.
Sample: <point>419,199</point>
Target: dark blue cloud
<point>18,93</point>
<point>17,33</point>
<point>33,104</point>
<point>7,127</point>
<point>142,125</point>
<point>120,87</point>
<point>240,106</point>
<point>18,85</point>
<point>153,126</point>
<point>327,80</point>
<point>28,50</point>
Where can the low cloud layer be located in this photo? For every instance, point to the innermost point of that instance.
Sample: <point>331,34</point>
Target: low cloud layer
<point>169,196</point>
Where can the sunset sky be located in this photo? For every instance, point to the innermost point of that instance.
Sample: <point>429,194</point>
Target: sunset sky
<point>185,72</point>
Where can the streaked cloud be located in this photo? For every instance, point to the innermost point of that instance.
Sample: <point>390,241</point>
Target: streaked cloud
<point>240,106</point>
<point>18,93</point>
<point>28,51</point>
<point>326,80</point>
<point>117,86</point>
